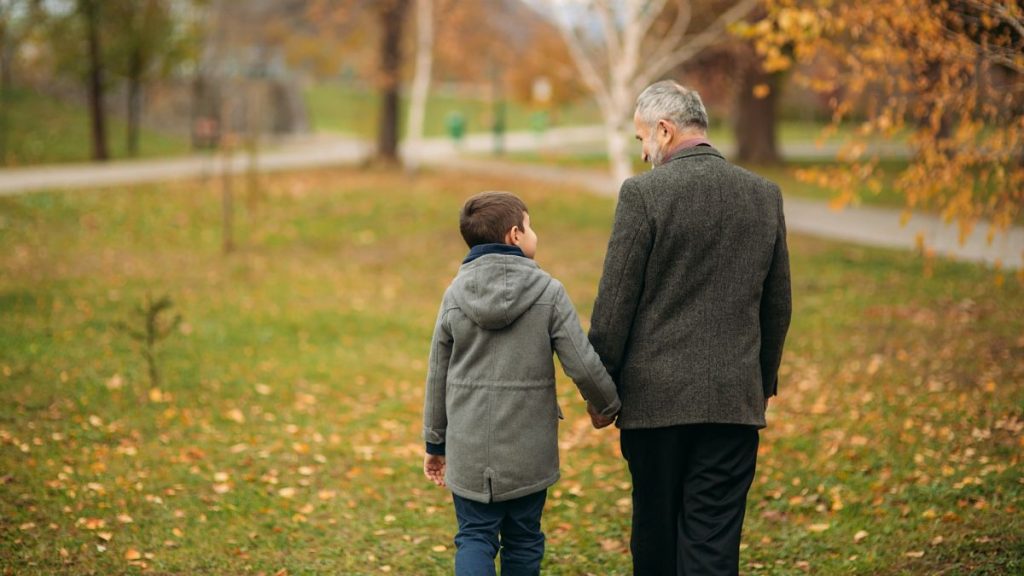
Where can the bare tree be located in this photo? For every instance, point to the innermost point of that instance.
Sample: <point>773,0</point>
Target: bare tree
<point>90,13</point>
<point>621,47</point>
<point>392,20</point>
<point>756,107</point>
<point>17,20</point>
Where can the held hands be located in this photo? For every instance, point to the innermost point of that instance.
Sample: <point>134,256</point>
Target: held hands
<point>597,419</point>
<point>433,468</point>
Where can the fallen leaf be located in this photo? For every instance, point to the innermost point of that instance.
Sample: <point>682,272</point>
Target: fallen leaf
<point>235,415</point>
<point>124,519</point>
<point>915,554</point>
<point>440,548</point>
<point>860,535</point>
<point>105,536</point>
<point>818,527</point>
<point>132,554</point>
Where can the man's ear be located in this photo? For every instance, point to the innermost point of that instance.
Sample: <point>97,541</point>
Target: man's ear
<point>666,128</point>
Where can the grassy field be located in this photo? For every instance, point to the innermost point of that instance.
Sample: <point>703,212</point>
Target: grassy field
<point>43,130</point>
<point>339,108</point>
<point>283,435</point>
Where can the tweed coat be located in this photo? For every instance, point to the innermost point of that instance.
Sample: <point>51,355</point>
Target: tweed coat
<point>694,302</point>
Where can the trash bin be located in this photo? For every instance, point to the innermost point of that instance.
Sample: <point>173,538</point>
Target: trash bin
<point>539,121</point>
<point>456,124</point>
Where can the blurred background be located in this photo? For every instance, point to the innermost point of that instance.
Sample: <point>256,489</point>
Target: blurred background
<point>225,227</point>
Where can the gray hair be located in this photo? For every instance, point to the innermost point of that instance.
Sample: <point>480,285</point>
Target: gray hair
<point>668,100</point>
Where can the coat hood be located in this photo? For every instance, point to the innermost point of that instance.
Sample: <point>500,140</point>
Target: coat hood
<point>496,289</point>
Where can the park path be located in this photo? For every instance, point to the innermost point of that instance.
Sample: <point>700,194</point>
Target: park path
<point>864,225</point>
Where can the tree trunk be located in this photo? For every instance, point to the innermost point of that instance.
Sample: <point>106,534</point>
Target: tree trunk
<point>392,16</point>
<point>134,103</point>
<point>756,113</point>
<point>90,11</point>
<point>618,150</point>
<point>424,64</point>
<point>6,85</point>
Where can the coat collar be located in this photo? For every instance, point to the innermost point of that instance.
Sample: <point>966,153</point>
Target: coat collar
<point>485,249</point>
<point>695,151</point>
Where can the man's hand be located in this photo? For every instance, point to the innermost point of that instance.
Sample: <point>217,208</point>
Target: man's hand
<point>597,419</point>
<point>433,468</point>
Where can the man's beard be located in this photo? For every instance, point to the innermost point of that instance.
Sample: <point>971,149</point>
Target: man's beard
<point>657,157</point>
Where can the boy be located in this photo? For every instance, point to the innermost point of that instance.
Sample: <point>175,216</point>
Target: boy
<point>490,416</point>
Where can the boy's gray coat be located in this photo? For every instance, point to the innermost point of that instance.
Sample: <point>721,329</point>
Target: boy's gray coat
<point>490,395</point>
<point>694,302</point>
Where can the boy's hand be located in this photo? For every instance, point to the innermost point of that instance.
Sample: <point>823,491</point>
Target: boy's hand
<point>597,419</point>
<point>433,468</point>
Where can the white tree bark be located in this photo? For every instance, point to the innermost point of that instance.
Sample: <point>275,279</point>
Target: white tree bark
<point>631,56</point>
<point>424,64</point>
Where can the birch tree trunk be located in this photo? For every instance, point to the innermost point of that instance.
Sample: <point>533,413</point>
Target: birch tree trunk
<point>424,65</point>
<point>633,55</point>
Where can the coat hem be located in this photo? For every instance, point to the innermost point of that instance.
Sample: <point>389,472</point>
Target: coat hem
<point>486,498</point>
<point>639,424</point>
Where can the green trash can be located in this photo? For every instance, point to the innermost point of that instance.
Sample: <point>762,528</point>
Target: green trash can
<point>539,121</point>
<point>456,124</point>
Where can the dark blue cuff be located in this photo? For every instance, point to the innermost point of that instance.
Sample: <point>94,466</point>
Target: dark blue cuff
<point>435,449</point>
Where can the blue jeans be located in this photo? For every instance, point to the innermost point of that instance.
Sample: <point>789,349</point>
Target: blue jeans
<point>516,521</point>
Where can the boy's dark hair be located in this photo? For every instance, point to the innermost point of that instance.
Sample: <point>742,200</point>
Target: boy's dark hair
<point>488,216</point>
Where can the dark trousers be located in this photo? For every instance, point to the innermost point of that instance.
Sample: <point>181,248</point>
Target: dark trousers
<point>517,522</point>
<point>690,488</point>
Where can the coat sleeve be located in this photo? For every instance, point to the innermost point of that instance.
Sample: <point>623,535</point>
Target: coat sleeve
<point>578,358</point>
<point>622,282</point>
<point>776,308</point>
<point>435,417</point>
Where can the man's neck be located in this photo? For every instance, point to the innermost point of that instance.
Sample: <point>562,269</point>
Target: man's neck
<point>686,140</point>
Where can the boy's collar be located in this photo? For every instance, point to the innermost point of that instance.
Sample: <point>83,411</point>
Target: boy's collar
<point>485,249</point>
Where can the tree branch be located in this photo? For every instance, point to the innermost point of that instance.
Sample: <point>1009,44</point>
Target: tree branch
<point>589,73</point>
<point>684,13</point>
<point>708,37</point>
<point>645,20</point>
<point>611,31</point>
<point>1002,12</point>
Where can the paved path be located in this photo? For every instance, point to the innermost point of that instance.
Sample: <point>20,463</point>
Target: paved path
<point>864,225</point>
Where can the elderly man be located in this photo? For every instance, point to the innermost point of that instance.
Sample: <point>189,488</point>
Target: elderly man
<point>690,319</point>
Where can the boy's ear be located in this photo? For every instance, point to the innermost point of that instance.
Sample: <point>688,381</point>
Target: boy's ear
<point>511,235</point>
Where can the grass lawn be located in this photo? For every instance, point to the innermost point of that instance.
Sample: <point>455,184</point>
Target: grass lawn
<point>339,108</point>
<point>283,436</point>
<point>43,130</point>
